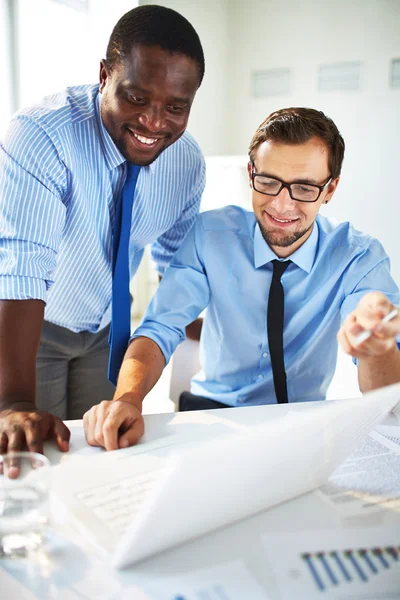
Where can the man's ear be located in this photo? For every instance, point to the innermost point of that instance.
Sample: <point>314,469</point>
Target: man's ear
<point>103,74</point>
<point>331,189</point>
<point>249,165</point>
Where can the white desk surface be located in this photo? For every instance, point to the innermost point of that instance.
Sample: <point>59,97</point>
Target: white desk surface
<point>72,561</point>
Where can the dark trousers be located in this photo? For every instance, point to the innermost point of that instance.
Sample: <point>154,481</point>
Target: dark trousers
<point>188,401</point>
<point>71,371</point>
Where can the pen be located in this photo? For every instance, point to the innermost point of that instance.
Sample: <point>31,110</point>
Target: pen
<point>361,337</point>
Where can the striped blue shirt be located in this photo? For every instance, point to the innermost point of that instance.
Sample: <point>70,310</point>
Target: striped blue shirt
<point>224,264</point>
<point>60,178</point>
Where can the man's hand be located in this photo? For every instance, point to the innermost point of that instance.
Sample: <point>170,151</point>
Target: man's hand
<point>23,425</point>
<point>114,424</point>
<point>368,316</point>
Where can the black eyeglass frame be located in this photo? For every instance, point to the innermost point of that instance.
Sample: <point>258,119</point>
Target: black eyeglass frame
<point>287,185</point>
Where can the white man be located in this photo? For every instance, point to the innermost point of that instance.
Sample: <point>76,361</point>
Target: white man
<point>329,277</point>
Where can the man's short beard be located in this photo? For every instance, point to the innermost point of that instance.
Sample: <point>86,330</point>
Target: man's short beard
<point>141,163</point>
<point>278,239</point>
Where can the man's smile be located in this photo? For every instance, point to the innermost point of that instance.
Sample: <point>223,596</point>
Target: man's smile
<point>144,140</point>
<point>280,221</point>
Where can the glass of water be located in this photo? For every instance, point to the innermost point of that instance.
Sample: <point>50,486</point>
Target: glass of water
<point>24,501</point>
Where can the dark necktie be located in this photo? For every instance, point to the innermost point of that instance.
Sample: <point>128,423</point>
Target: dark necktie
<point>275,315</point>
<point>120,330</point>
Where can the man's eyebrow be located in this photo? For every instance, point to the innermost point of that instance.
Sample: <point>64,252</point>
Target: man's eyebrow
<point>132,86</point>
<point>301,180</point>
<point>139,90</point>
<point>311,181</point>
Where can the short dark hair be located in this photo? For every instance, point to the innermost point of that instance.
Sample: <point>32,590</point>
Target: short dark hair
<point>297,126</point>
<point>153,25</point>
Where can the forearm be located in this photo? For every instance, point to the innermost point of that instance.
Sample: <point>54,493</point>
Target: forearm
<point>20,328</point>
<point>378,371</point>
<point>140,370</point>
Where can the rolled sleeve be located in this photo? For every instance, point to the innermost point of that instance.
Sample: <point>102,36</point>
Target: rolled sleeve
<point>33,180</point>
<point>182,295</point>
<point>374,264</point>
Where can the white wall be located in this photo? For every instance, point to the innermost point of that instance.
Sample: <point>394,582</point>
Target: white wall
<point>5,66</point>
<point>301,36</point>
<point>244,35</point>
<point>209,120</point>
<point>65,46</point>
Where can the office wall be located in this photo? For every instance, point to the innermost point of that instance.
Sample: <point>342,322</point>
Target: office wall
<point>64,47</point>
<point>241,36</point>
<point>301,36</point>
<point>5,65</point>
<point>209,121</point>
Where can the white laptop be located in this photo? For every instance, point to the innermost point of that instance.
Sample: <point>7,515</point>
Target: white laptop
<point>136,505</point>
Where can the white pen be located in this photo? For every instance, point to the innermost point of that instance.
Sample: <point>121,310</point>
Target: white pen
<point>361,337</point>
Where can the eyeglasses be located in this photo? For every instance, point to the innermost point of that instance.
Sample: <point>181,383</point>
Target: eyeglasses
<point>298,190</point>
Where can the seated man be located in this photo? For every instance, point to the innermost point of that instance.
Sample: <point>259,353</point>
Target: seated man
<point>242,266</point>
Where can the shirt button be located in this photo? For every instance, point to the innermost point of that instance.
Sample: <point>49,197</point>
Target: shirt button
<point>259,377</point>
<point>265,354</point>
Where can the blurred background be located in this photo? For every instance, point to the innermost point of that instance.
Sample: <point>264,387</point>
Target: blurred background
<point>339,56</point>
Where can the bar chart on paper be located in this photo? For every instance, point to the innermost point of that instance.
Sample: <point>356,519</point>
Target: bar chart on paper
<point>359,563</point>
<point>226,581</point>
<point>338,567</point>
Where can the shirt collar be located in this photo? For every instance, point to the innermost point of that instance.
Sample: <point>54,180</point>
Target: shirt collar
<point>303,257</point>
<point>112,155</point>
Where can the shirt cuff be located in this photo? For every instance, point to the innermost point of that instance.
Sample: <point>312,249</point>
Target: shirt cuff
<point>167,347</point>
<point>22,288</point>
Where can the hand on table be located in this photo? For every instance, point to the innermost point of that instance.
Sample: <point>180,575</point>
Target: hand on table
<point>25,427</point>
<point>113,424</point>
<point>368,316</point>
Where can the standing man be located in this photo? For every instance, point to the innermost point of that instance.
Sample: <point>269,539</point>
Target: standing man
<point>68,169</point>
<point>279,283</point>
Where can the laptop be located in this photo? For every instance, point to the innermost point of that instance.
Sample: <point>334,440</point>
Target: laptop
<point>133,506</point>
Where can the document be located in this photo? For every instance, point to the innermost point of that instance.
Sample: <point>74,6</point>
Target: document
<point>93,580</point>
<point>103,503</point>
<point>390,432</point>
<point>368,481</point>
<point>363,564</point>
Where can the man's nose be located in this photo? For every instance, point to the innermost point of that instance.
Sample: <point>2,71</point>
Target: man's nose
<point>152,118</point>
<point>283,202</point>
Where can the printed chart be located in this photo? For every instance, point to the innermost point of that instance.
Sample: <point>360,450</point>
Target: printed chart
<point>345,563</point>
<point>336,567</point>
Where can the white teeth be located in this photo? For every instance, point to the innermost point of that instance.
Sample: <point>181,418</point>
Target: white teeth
<point>145,140</point>
<point>282,220</point>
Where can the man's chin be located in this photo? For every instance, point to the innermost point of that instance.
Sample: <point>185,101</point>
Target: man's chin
<point>138,157</point>
<point>281,240</point>
<point>141,159</point>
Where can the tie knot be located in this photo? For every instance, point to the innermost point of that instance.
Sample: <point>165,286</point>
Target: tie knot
<point>280,267</point>
<point>132,172</point>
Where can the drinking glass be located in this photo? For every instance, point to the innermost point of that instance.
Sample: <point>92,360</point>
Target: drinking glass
<point>24,501</point>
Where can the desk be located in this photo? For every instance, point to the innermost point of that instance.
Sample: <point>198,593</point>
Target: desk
<point>72,571</point>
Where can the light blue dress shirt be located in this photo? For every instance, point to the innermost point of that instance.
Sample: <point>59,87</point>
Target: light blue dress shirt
<point>225,265</point>
<point>60,177</point>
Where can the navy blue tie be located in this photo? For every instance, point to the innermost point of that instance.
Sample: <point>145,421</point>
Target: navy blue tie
<point>275,314</point>
<point>120,330</point>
